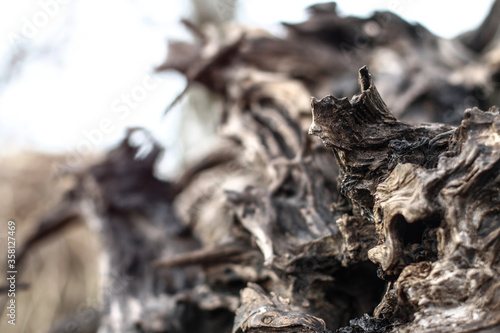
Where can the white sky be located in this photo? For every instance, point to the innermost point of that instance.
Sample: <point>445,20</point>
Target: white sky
<point>70,94</point>
<point>443,17</point>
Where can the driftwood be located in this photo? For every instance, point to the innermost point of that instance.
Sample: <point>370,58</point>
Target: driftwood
<point>390,222</point>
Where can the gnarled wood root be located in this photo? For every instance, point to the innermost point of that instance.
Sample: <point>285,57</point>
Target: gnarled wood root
<point>433,193</point>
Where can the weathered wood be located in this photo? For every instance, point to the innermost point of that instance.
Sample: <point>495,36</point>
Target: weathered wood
<point>436,212</point>
<point>260,312</point>
<point>368,141</point>
<point>275,230</point>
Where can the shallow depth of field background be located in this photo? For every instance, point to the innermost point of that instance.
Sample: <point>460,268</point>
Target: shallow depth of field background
<point>67,87</point>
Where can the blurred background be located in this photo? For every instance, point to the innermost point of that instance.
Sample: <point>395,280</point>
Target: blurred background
<point>67,65</point>
<point>75,74</point>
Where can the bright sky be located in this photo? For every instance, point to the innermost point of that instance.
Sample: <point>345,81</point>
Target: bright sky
<point>444,17</point>
<point>97,81</point>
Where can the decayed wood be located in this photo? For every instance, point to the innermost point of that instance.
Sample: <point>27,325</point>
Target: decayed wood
<point>275,230</point>
<point>261,312</point>
<point>368,141</point>
<point>131,211</point>
<point>456,211</point>
<point>436,212</point>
